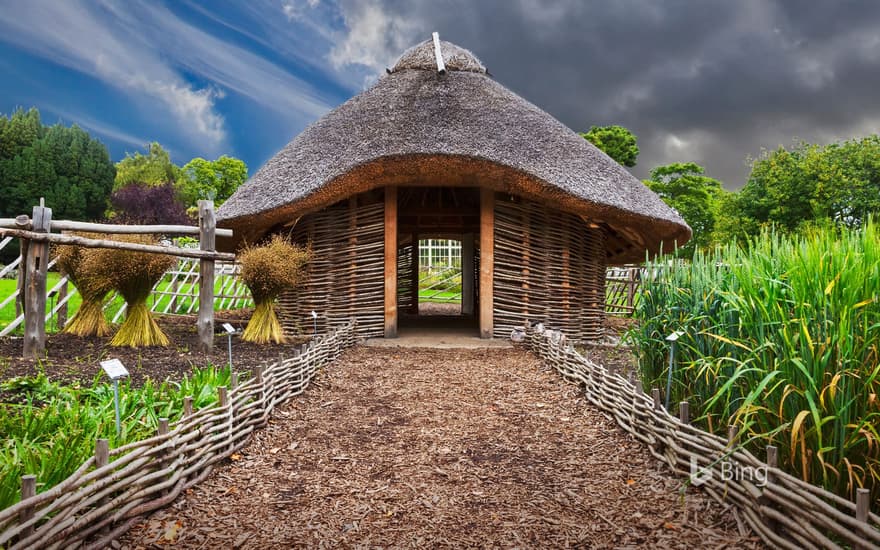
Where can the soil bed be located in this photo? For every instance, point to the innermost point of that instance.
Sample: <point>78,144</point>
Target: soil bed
<point>71,359</point>
<point>452,448</point>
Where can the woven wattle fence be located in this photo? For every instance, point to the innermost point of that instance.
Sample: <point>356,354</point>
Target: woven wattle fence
<point>346,277</point>
<point>785,511</point>
<point>549,265</point>
<point>113,490</point>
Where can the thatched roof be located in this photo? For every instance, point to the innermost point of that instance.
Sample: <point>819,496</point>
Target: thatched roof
<point>418,127</point>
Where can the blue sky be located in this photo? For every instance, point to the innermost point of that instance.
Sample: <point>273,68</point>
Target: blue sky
<point>709,81</point>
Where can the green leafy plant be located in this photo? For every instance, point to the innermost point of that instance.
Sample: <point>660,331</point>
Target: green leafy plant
<point>781,338</point>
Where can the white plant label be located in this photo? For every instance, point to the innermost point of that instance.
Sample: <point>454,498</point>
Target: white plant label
<point>228,328</point>
<point>114,369</point>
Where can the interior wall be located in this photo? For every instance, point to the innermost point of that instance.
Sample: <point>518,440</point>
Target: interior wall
<point>549,268</point>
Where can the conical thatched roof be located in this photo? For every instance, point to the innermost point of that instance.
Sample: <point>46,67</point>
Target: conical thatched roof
<point>418,127</point>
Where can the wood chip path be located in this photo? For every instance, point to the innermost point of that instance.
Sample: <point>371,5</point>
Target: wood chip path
<point>440,448</point>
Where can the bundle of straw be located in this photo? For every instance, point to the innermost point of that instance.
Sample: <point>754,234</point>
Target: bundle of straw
<point>133,275</point>
<point>267,271</point>
<point>79,266</point>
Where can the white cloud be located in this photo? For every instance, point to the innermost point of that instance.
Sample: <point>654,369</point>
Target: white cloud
<point>142,48</point>
<point>373,37</point>
<point>97,43</point>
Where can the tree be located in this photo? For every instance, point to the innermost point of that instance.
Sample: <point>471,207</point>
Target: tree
<point>154,168</point>
<point>615,141</point>
<point>808,184</point>
<point>695,196</point>
<point>212,180</point>
<point>66,166</point>
<point>139,203</point>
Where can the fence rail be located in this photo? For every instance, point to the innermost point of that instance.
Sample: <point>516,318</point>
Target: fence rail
<point>113,490</point>
<point>785,512</point>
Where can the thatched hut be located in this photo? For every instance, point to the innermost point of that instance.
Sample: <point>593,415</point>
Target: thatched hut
<point>437,148</point>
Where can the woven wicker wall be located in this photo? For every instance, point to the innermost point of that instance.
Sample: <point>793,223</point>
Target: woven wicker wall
<point>345,278</point>
<point>549,268</point>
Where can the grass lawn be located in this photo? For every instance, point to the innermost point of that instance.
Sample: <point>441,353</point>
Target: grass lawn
<point>184,305</point>
<point>439,297</point>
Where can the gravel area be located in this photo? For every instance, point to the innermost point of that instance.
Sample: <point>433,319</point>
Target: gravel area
<point>440,448</point>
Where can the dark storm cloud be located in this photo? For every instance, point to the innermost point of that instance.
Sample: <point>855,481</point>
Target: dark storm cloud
<point>711,82</point>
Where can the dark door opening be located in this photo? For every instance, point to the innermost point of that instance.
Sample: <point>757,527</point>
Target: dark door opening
<point>437,274</point>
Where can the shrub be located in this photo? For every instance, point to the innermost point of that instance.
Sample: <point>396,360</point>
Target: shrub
<point>267,271</point>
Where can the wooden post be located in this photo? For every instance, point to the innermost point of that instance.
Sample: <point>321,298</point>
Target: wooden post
<point>207,241</point>
<point>28,489</point>
<point>684,412</point>
<point>187,406</point>
<point>102,458</point>
<point>655,394</point>
<point>414,282</point>
<point>22,222</point>
<point>487,262</point>
<point>61,316</point>
<point>467,274</point>
<point>631,288</point>
<point>391,262</point>
<point>35,287</point>
<point>863,506</point>
<point>772,461</point>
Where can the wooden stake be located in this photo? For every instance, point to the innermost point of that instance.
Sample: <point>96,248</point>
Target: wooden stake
<point>772,461</point>
<point>391,262</point>
<point>207,241</point>
<point>61,316</point>
<point>684,412</point>
<point>28,489</point>
<point>655,393</point>
<point>187,406</point>
<point>863,506</point>
<point>487,262</point>
<point>37,265</point>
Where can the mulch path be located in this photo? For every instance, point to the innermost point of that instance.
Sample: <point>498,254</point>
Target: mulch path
<point>73,359</point>
<point>453,448</point>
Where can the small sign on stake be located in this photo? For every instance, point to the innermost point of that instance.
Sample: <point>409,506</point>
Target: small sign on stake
<point>115,370</point>
<point>228,328</point>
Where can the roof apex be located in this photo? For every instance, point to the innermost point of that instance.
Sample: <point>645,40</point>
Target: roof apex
<point>421,57</point>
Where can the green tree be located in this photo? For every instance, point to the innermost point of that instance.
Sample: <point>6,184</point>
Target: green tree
<point>813,184</point>
<point>214,180</point>
<point>154,168</point>
<point>615,141</point>
<point>66,166</point>
<point>683,186</point>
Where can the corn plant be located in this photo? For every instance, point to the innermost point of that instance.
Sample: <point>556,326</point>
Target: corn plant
<point>781,339</point>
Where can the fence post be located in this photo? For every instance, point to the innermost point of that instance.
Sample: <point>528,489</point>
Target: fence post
<point>28,489</point>
<point>207,241</point>
<point>37,262</point>
<point>863,502</point>
<point>61,316</point>
<point>22,222</point>
<point>684,412</point>
<point>631,288</point>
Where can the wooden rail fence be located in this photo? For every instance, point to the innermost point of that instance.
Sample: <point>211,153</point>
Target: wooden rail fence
<point>115,488</point>
<point>35,234</point>
<point>785,511</point>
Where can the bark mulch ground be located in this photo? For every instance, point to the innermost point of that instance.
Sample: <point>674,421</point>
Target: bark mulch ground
<point>450,448</point>
<point>71,359</point>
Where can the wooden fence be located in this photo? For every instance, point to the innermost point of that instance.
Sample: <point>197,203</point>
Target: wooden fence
<point>621,285</point>
<point>115,488</point>
<point>785,511</point>
<point>35,235</point>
